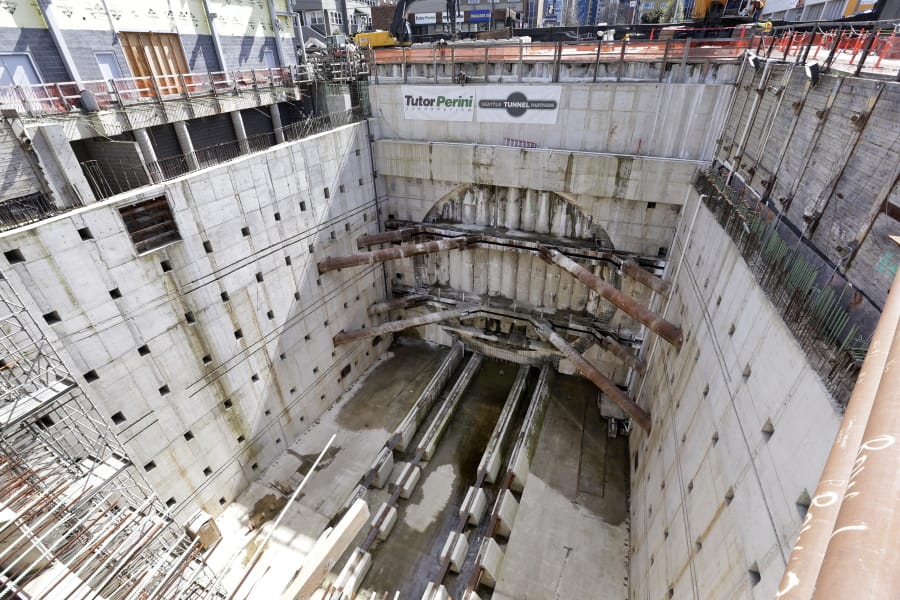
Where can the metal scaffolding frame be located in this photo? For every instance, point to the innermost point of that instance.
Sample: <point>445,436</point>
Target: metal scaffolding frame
<point>76,519</point>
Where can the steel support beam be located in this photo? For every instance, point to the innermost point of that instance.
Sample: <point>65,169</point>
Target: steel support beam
<point>346,337</point>
<point>637,414</point>
<point>376,256</point>
<point>395,235</point>
<point>663,328</point>
<point>621,352</point>
<point>633,270</point>
<point>397,303</point>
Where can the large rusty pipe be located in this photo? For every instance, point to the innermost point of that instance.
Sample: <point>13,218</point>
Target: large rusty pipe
<point>358,334</point>
<point>669,332</point>
<point>396,235</point>
<point>864,548</point>
<point>799,579</point>
<point>633,270</point>
<point>622,353</point>
<point>637,414</point>
<point>380,308</point>
<point>368,258</point>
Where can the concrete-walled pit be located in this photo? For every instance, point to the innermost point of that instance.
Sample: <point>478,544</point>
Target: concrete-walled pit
<point>208,355</point>
<point>636,119</point>
<point>742,425</point>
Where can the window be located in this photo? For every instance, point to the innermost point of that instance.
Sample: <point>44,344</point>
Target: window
<point>17,69</point>
<point>269,59</point>
<point>109,67</point>
<point>315,17</point>
<point>335,17</point>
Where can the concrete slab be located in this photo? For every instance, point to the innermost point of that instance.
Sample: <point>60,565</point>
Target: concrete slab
<point>574,506</point>
<point>506,513</point>
<point>387,516</point>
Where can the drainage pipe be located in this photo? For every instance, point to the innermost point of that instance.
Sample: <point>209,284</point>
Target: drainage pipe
<point>376,256</point>
<point>633,270</point>
<point>346,337</point>
<point>663,328</point>
<point>212,18</point>
<point>806,560</point>
<point>637,414</point>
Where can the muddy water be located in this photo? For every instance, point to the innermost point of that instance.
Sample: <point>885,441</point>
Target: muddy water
<point>410,557</point>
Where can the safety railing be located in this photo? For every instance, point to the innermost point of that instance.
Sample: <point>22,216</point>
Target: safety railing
<point>26,209</point>
<point>109,177</point>
<point>812,297</point>
<point>866,49</point>
<point>60,98</point>
<point>863,49</point>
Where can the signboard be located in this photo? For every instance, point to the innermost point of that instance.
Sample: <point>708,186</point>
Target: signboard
<point>425,18</point>
<point>479,16</point>
<point>481,103</point>
<point>445,17</point>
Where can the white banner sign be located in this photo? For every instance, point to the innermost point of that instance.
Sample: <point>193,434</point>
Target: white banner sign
<point>438,102</point>
<point>426,18</point>
<point>481,103</point>
<point>445,17</point>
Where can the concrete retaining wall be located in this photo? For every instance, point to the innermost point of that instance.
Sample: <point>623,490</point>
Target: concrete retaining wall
<point>829,156</point>
<point>741,428</point>
<point>216,351</point>
<point>645,119</point>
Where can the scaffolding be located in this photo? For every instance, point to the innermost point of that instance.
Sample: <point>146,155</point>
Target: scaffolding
<point>76,519</point>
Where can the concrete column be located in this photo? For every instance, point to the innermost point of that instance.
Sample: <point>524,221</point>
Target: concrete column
<point>543,213</point>
<point>469,202</point>
<point>212,19</point>
<point>276,27</point>
<point>560,225</point>
<point>148,154</point>
<point>60,166</point>
<point>48,10</point>
<point>494,271</point>
<point>508,274</point>
<point>529,210</point>
<point>482,207</point>
<point>513,208</point>
<point>276,123</point>
<point>187,146</point>
<point>238,121</point>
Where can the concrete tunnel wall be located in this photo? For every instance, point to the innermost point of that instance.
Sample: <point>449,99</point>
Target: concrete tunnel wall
<point>742,425</point>
<point>229,405</point>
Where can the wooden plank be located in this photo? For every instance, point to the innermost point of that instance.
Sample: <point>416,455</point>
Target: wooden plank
<point>327,550</point>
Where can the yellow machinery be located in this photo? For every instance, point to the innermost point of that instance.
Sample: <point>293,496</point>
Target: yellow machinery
<point>377,39</point>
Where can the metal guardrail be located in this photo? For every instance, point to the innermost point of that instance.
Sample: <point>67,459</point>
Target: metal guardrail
<point>26,209</point>
<point>76,96</point>
<point>108,178</point>
<point>813,303</point>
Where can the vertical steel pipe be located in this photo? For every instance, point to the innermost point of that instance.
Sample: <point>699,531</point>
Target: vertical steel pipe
<point>805,562</point>
<point>663,328</point>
